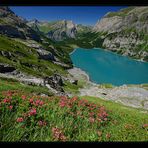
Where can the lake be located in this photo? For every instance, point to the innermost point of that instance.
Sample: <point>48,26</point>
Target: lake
<point>107,67</point>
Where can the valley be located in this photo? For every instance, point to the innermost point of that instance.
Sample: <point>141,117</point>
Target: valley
<point>43,90</point>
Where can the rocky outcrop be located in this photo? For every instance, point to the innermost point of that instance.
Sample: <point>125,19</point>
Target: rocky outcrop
<point>6,54</point>
<point>42,52</point>
<point>5,68</point>
<point>55,82</point>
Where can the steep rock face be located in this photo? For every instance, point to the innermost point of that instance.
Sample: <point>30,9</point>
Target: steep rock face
<point>62,30</point>
<point>126,31</point>
<point>14,26</point>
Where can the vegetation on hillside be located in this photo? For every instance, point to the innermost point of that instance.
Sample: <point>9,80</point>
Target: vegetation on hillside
<point>26,59</point>
<point>84,40</point>
<point>121,13</point>
<point>29,117</point>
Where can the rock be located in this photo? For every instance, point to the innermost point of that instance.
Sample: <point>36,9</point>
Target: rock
<point>6,54</point>
<point>74,82</point>
<point>11,31</point>
<point>5,68</point>
<point>55,82</point>
<point>65,66</point>
<point>104,93</point>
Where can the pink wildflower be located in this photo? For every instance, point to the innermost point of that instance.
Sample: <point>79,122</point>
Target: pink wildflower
<point>7,100</point>
<point>20,119</point>
<point>42,123</point>
<point>32,111</point>
<point>23,97</point>
<point>31,100</point>
<point>91,119</point>
<point>10,107</point>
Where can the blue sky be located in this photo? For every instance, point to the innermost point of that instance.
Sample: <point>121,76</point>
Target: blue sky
<point>86,15</point>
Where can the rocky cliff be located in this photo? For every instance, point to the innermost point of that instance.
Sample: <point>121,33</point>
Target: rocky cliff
<point>61,30</point>
<point>126,31</point>
<point>14,26</point>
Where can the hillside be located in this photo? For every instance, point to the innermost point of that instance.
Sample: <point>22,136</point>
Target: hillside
<point>126,32</point>
<point>28,117</point>
<point>14,26</point>
<point>44,98</point>
<point>29,60</point>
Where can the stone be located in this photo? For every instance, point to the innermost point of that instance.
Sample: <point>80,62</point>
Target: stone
<point>5,68</point>
<point>55,82</point>
<point>74,82</point>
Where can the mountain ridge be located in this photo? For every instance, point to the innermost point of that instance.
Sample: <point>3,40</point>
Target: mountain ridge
<point>58,30</point>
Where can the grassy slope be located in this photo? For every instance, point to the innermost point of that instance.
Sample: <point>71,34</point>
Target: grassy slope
<point>127,124</point>
<point>124,124</point>
<point>26,59</point>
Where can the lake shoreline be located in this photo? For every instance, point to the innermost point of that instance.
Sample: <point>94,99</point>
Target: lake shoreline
<point>132,96</point>
<point>138,60</point>
<point>98,65</point>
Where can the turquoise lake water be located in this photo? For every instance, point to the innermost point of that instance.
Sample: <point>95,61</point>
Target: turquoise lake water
<point>107,67</point>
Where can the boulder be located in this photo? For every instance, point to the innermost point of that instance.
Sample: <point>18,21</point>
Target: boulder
<point>6,54</point>
<point>5,68</point>
<point>55,82</point>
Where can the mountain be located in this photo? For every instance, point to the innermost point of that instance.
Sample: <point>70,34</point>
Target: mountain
<point>62,30</point>
<point>34,25</point>
<point>125,32</point>
<point>14,26</point>
<point>58,30</point>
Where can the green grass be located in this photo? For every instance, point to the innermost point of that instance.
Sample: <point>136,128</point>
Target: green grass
<point>122,124</point>
<point>11,84</point>
<point>123,116</point>
<point>72,88</point>
<point>26,59</point>
<point>121,13</point>
<point>82,40</point>
<point>106,85</point>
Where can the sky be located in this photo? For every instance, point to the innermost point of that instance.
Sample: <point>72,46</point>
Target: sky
<point>86,15</point>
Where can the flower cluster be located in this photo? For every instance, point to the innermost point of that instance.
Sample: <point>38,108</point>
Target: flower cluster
<point>48,112</point>
<point>42,123</point>
<point>95,113</point>
<point>32,111</point>
<point>20,119</point>
<point>57,134</point>
<point>36,102</point>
